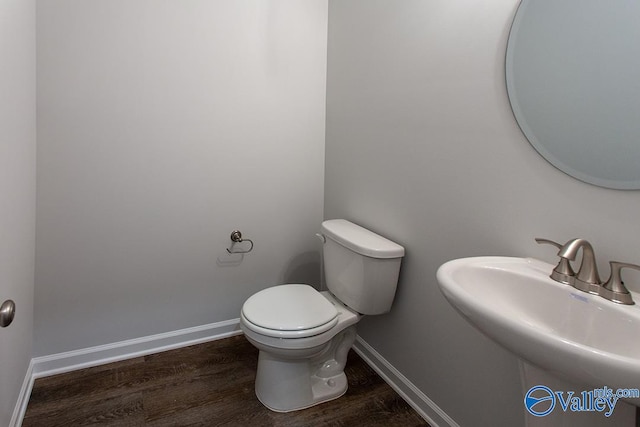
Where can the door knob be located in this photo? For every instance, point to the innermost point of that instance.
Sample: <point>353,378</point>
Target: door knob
<point>7,313</point>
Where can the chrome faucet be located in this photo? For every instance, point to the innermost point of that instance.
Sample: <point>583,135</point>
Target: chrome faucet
<point>587,278</point>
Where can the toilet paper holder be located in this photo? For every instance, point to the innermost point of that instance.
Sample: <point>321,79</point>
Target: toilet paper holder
<point>236,237</point>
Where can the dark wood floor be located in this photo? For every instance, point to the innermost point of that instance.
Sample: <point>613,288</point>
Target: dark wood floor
<point>209,384</point>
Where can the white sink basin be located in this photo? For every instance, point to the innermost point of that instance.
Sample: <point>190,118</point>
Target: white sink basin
<point>580,336</point>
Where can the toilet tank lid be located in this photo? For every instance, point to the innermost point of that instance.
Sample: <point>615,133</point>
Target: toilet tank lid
<point>361,240</point>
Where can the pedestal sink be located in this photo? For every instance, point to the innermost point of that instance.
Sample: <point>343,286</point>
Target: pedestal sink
<point>576,337</point>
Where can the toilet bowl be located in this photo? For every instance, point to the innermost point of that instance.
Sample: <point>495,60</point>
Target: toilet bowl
<point>305,366</point>
<point>303,335</point>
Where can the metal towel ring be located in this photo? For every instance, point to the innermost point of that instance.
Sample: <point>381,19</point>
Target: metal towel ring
<point>236,237</point>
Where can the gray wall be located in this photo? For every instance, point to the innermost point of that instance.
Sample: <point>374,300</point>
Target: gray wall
<point>17,192</point>
<point>163,126</point>
<point>422,147</point>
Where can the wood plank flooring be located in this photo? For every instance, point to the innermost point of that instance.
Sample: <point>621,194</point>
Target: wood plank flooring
<point>209,384</point>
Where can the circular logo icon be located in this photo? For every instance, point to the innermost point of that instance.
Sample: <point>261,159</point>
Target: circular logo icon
<point>540,401</point>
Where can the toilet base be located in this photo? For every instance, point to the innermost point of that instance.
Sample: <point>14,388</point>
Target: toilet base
<point>285,384</point>
<point>321,390</point>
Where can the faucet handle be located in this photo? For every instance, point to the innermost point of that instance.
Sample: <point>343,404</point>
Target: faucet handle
<point>563,272</point>
<point>540,240</point>
<point>615,290</point>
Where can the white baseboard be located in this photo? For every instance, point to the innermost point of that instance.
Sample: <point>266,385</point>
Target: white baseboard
<point>23,398</point>
<point>93,356</point>
<point>419,401</point>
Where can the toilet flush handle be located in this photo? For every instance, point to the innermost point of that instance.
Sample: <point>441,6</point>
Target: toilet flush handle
<point>321,237</point>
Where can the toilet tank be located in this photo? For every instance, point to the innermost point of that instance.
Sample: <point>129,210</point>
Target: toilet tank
<point>361,267</point>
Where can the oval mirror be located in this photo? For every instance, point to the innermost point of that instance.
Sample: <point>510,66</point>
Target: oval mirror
<point>573,78</point>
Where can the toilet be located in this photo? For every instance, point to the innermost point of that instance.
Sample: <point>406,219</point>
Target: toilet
<point>303,335</point>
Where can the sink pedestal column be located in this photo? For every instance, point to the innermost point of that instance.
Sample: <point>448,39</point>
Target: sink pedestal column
<point>624,414</point>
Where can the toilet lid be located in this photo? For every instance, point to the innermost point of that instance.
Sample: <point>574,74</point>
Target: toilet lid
<point>289,311</point>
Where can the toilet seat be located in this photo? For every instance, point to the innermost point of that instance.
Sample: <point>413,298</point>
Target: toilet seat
<point>289,311</point>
